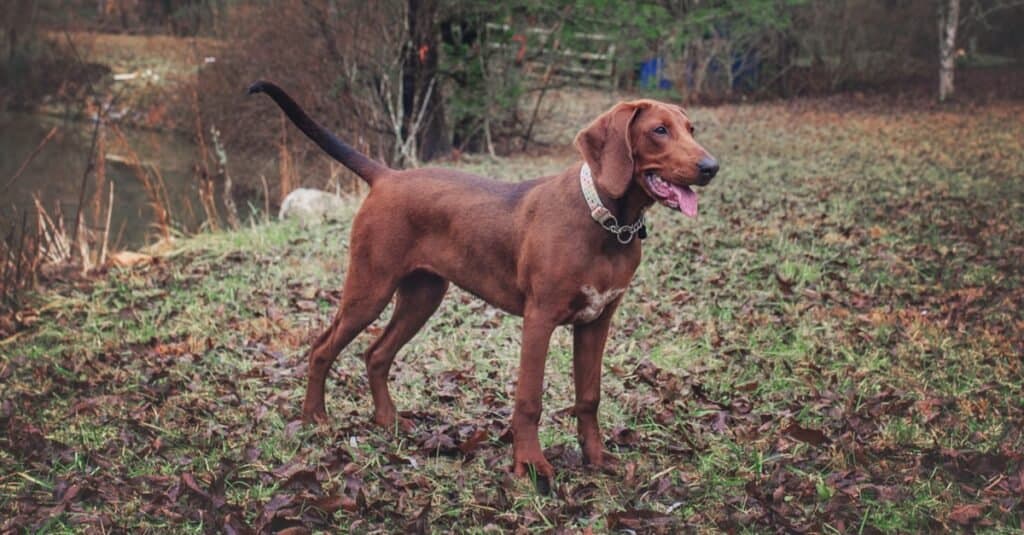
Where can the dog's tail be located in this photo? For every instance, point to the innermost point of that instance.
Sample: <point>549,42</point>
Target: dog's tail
<point>361,164</point>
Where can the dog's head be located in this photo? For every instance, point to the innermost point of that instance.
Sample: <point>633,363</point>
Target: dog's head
<point>650,143</point>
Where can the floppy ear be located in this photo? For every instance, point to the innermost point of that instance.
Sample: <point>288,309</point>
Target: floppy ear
<point>606,147</point>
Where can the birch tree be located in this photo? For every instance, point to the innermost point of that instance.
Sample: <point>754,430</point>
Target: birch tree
<point>949,20</point>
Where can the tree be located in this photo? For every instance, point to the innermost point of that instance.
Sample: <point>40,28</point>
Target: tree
<point>949,21</point>
<point>422,107</point>
<point>977,13</point>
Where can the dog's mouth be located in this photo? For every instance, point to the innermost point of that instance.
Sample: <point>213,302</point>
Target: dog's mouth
<point>675,196</point>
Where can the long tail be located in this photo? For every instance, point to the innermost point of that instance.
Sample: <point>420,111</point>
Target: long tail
<point>358,162</point>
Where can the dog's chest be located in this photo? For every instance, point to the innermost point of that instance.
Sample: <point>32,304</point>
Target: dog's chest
<point>592,302</point>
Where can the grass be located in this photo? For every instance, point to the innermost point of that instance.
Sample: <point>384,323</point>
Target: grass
<point>834,346</point>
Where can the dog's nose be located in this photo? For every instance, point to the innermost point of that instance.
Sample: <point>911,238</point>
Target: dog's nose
<point>708,168</point>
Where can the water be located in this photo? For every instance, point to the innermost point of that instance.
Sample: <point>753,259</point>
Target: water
<point>55,176</point>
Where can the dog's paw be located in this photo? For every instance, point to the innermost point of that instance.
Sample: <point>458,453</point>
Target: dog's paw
<point>395,423</point>
<point>540,467</point>
<point>536,468</point>
<point>532,464</point>
<point>314,416</point>
<point>601,461</point>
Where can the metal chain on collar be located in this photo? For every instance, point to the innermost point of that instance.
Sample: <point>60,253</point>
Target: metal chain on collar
<point>623,233</point>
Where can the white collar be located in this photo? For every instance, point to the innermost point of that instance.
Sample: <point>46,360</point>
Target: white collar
<point>603,216</point>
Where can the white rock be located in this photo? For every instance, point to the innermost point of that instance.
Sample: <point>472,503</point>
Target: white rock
<point>310,205</point>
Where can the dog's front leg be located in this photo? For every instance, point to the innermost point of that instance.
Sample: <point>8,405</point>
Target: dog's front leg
<point>588,349</point>
<point>526,452</point>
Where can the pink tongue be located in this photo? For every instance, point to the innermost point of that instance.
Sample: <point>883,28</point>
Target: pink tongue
<point>686,198</point>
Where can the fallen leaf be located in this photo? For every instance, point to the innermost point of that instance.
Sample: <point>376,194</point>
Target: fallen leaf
<point>811,436</point>
<point>966,514</point>
<point>640,520</point>
<point>470,445</point>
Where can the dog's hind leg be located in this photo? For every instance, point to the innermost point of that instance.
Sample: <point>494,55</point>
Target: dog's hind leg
<point>419,294</point>
<point>363,299</point>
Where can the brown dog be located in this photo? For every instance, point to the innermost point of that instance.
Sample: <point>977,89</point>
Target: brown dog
<point>551,250</point>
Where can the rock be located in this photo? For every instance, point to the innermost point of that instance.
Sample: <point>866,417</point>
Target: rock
<point>310,205</point>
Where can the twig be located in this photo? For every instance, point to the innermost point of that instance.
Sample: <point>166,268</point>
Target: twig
<point>56,243</point>
<point>4,263</point>
<point>74,50</point>
<point>36,260</point>
<point>31,156</point>
<point>266,198</point>
<point>21,244</point>
<point>106,228</point>
<point>540,97</point>
<point>12,338</point>
<point>488,107</point>
<point>17,258</point>
<point>90,162</point>
<point>101,176</point>
<point>161,184</point>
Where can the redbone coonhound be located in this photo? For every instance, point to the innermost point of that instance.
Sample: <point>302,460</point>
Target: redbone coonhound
<point>557,250</point>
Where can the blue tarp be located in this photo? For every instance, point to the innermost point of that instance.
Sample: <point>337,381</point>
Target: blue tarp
<point>651,74</point>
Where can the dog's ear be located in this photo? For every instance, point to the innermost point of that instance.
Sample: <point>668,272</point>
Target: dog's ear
<point>607,149</point>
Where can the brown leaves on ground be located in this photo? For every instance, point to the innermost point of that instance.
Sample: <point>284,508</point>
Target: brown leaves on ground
<point>642,521</point>
<point>784,497</point>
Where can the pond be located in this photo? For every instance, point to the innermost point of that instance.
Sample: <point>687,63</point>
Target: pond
<point>55,176</point>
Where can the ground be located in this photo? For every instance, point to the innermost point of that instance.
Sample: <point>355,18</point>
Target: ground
<point>832,346</point>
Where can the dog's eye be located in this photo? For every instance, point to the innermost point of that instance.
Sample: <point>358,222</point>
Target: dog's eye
<point>661,130</point>
<point>692,130</point>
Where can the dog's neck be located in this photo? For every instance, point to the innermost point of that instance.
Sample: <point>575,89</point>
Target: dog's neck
<point>632,205</point>
<point>610,213</point>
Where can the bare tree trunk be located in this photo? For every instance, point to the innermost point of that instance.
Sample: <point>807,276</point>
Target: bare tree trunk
<point>949,19</point>
<point>420,66</point>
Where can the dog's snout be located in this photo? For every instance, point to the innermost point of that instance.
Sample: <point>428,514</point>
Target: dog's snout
<point>708,168</point>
